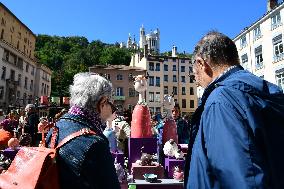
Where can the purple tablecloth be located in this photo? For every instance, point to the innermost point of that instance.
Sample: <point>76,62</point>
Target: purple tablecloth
<point>10,153</point>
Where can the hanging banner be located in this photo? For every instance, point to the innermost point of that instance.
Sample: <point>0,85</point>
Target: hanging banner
<point>44,100</point>
<point>55,100</point>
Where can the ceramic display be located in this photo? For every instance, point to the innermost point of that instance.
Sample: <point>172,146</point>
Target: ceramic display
<point>170,127</point>
<point>140,124</point>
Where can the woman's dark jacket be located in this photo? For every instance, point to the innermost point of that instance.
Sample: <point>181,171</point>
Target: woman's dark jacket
<point>86,161</point>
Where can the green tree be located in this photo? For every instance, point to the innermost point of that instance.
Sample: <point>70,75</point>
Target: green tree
<point>115,56</point>
<point>66,56</point>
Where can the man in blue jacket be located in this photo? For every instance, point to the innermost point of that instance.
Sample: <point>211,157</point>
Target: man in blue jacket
<point>238,127</point>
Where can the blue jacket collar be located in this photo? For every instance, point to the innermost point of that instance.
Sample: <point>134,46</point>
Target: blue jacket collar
<point>82,120</point>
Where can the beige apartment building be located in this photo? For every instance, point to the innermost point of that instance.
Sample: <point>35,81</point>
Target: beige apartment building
<point>23,79</point>
<point>260,45</point>
<point>121,76</point>
<point>168,75</point>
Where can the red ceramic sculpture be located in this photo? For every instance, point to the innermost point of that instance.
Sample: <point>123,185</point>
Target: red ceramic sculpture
<point>140,124</point>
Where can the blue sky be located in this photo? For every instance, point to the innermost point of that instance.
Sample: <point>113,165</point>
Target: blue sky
<point>181,22</point>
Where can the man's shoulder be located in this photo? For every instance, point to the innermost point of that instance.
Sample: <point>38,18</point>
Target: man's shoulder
<point>233,87</point>
<point>220,94</point>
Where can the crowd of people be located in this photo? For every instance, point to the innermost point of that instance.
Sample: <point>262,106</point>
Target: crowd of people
<point>22,128</point>
<point>230,140</point>
<point>17,129</point>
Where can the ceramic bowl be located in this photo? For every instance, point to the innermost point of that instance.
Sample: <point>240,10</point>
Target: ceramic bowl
<point>150,177</point>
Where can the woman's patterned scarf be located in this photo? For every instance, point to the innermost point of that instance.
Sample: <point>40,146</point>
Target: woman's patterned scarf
<point>92,117</point>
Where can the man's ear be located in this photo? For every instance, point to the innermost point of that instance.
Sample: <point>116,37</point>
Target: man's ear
<point>199,61</point>
<point>201,64</point>
<point>207,69</point>
<point>205,66</point>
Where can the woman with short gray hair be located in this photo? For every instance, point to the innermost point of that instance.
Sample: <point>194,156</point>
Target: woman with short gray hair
<point>86,161</point>
<point>87,90</point>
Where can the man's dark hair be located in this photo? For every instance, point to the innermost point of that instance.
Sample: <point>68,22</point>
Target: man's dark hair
<point>219,48</point>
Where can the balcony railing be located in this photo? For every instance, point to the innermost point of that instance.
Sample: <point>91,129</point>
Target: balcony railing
<point>256,37</point>
<point>278,57</point>
<point>12,81</point>
<point>259,65</point>
<point>243,45</point>
<point>275,25</point>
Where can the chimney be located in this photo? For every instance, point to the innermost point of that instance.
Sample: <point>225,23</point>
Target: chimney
<point>174,51</point>
<point>271,4</point>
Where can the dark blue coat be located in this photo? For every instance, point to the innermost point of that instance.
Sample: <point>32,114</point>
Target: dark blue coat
<point>234,146</point>
<point>182,130</point>
<point>86,161</point>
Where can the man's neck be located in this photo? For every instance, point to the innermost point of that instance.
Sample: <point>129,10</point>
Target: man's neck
<point>221,71</point>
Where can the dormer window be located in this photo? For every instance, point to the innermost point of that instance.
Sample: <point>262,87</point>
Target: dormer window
<point>256,33</point>
<point>243,42</point>
<point>276,21</point>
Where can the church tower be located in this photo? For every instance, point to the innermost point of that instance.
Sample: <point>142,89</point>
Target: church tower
<point>150,40</point>
<point>153,41</point>
<point>129,41</point>
<point>142,40</point>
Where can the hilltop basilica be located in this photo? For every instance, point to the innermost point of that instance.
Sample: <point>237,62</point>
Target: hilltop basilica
<point>149,42</point>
